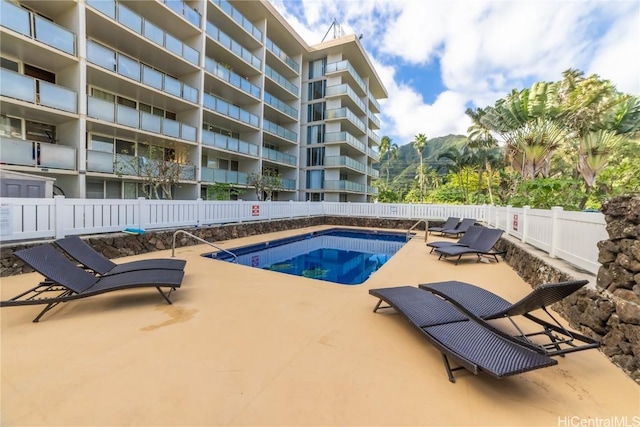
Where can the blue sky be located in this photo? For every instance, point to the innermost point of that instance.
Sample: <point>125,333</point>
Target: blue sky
<point>438,57</point>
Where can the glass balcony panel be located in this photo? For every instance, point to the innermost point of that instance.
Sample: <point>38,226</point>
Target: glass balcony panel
<point>222,107</point>
<point>288,184</point>
<point>235,113</point>
<point>129,19</point>
<point>17,152</point>
<point>192,16</point>
<point>57,97</point>
<point>232,177</point>
<point>219,175</point>
<point>188,132</point>
<point>151,123</point>
<point>209,102</point>
<point>15,18</point>
<point>190,93</point>
<point>206,174</point>
<point>253,150</point>
<point>17,86</point>
<point>171,128</point>
<point>54,35</point>
<point>101,109</point>
<point>152,77</point>
<point>108,7</point>
<point>191,55</point>
<point>175,5</point>
<point>129,67</point>
<point>127,165</point>
<point>57,156</point>
<point>127,116</point>
<point>173,44</point>
<point>100,55</point>
<point>188,172</point>
<point>98,161</point>
<point>172,86</point>
<point>153,33</point>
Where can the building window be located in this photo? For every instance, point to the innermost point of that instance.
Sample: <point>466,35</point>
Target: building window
<point>315,156</point>
<point>315,112</point>
<point>342,197</point>
<point>317,89</point>
<point>40,132</point>
<point>315,197</point>
<point>101,143</point>
<point>315,179</point>
<point>316,68</point>
<point>315,134</point>
<point>10,64</point>
<point>10,127</point>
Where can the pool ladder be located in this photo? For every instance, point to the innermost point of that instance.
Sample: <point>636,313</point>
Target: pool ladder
<point>426,228</point>
<point>173,245</point>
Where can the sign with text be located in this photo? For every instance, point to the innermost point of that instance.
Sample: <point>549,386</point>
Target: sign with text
<point>255,210</point>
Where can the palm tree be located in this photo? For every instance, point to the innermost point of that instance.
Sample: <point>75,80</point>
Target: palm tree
<point>459,161</point>
<point>419,143</point>
<point>388,146</point>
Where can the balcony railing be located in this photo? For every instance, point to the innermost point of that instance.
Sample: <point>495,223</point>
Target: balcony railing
<point>37,154</point>
<point>373,136</point>
<point>280,131</point>
<point>36,27</point>
<point>230,77</point>
<point>35,91</point>
<point>345,89</point>
<point>224,142</point>
<point>280,105</point>
<point>273,48</point>
<point>233,46</point>
<point>345,137</point>
<point>223,175</point>
<point>223,107</point>
<point>374,173</point>
<point>277,156</point>
<point>373,154</point>
<point>282,81</point>
<point>126,116</point>
<point>372,190</point>
<point>344,185</point>
<point>340,113</point>
<point>181,8</point>
<point>345,65</point>
<point>288,184</point>
<point>124,164</point>
<point>148,30</point>
<point>375,120</point>
<point>239,18</point>
<point>113,61</point>
<point>373,101</point>
<point>345,161</point>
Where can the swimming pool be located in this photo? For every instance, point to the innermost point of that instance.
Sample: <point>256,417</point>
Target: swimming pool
<point>336,255</point>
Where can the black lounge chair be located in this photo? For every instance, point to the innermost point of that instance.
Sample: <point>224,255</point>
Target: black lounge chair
<point>467,239</point>
<point>479,303</point>
<point>460,229</point>
<point>65,281</point>
<point>467,342</point>
<point>481,246</point>
<point>90,259</point>
<point>451,222</point>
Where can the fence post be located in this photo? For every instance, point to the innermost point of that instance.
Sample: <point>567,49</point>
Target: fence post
<point>143,215</point>
<point>525,223</point>
<point>200,214</point>
<point>59,212</point>
<point>507,228</point>
<point>555,230</point>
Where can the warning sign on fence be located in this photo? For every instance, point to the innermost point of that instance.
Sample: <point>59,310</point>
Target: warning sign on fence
<point>515,222</point>
<point>255,210</point>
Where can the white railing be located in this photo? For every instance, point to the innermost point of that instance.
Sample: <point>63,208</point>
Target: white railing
<point>572,236</point>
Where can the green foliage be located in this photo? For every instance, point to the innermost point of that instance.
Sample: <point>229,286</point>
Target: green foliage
<point>544,193</point>
<point>264,183</point>
<point>222,191</point>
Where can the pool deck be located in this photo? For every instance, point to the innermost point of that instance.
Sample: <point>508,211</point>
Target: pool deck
<point>243,346</point>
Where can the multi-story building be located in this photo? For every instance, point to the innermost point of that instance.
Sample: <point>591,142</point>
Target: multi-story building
<point>106,96</point>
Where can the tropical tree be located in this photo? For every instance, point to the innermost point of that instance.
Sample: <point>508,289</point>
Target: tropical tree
<point>265,183</point>
<point>419,143</point>
<point>460,162</point>
<point>387,146</point>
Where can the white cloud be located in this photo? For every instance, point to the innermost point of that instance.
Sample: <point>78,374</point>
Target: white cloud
<point>484,48</point>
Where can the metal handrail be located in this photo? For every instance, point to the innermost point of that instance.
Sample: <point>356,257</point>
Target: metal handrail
<point>173,245</point>
<point>426,228</point>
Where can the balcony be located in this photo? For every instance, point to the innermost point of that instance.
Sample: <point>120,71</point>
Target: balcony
<point>239,18</point>
<point>373,102</point>
<point>38,92</point>
<point>181,8</point>
<point>123,164</point>
<point>345,137</point>
<point>373,136</point>
<point>373,173</point>
<point>345,113</point>
<point>231,45</point>
<point>36,154</point>
<point>280,131</point>
<point>128,67</point>
<point>372,190</point>
<point>230,77</point>
<point>373,154</point>
<point>344,185</point>
<point>288,184</point>
<point>221,106</point>
<point>345,90</point>
<point>36,27</point>
<point>279,53</point>
<point>373,120</point>
<point>222,175</point>
<point>342,66</point>
<point>279,157</point>
<point>143,27</point>
<point>116,113</point>
<point>216,140</point>
<point>344,162</point>
<point>281,106</point>
<point>281,80</point>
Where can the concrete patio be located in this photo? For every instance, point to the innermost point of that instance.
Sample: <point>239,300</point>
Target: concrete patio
<point>242,346</point>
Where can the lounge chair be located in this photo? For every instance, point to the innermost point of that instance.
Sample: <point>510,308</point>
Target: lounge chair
<point>468,238</point>
<point>90,259</point>
<point>64,281</point>
<point>451,222</point>
<point>481,246</point>
<point>460,229</point>
<point>477,302</point>
<point>467,342</point>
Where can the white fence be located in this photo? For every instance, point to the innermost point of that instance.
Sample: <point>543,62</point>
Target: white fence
<point>571,236</point>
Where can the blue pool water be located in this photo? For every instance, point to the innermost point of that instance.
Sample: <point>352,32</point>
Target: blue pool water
<point>342,256</point>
